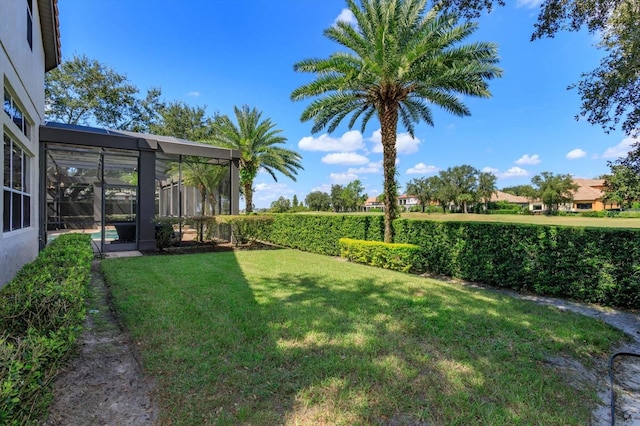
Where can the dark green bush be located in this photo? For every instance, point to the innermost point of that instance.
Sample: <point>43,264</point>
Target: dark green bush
<point>320,233</point>
<point>399,257</point>
<point>598,265</point>
<point>594,214</point>
<point>41,313</point>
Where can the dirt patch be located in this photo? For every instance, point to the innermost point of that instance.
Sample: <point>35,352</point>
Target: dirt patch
<point>103,383</point>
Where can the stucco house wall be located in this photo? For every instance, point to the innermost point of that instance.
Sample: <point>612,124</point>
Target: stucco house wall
<point>22,69</point>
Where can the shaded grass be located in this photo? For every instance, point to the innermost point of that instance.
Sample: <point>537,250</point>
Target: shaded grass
<point>282,336</point>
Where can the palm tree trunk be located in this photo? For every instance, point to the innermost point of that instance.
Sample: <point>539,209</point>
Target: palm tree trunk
<point>248,196</point>
<point>203,201</point>
<point>388,126</point>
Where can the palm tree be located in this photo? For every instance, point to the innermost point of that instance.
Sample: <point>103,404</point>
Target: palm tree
<point>401,60</point>
<point>257,142</point>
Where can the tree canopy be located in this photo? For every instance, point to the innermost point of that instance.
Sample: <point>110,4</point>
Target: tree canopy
<point>85,91</point>
<point>318,201</point>
<point>622,186</point>
<point>554,190</point>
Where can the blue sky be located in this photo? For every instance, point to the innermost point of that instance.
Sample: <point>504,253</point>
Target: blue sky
<point>222,54</point>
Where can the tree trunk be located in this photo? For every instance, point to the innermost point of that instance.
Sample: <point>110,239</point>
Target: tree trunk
<point>203,201</point>
<point>248,196</point>
<point>388,127</point>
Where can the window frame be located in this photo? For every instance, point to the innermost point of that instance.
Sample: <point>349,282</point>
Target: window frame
<point>17,196</point>
<point>30,24</point>
<point>582,206</point>
<point>16,113</point>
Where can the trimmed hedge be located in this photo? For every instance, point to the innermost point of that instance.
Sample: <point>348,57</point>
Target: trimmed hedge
<point>398,257</point>
<point>41,313</point>
<point>595,265</point>
<point>321,233</point>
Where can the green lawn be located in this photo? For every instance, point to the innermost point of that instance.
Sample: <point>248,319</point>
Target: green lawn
<point>287,337</point>
<point>608,222</point>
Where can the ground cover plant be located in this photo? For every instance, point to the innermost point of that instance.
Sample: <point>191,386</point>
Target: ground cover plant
<point>41,313</point>
<point>283,336</point>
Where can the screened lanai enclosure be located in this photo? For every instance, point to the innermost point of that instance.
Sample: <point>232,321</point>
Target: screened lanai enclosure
<point>116,184</point>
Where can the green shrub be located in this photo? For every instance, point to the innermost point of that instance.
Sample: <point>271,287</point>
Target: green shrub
<point>320,233</point>
<point>594,214</point>
<point>598,265</point>
<point>506,211</point>
<point>629,214</point>
<point>247,228</point>
<point>41,313</point>
<point>398,257</point>
<point>165,232</point>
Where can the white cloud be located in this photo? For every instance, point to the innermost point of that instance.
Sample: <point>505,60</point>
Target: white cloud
<point>422,169</point>
<point>342,178</point>
<point>325,187</point>
<point>348,142</point>
<point>346,16</point>
<point>373,167</point>
<point>574,154</point>
<point>345,158</point>
<point>529,4</point>
<point>194,94</point>
<point>491,170</point>
<point>405,144</point>
<point>621,149</point>
<point>265,193</point>
<point>528,160</point>
<point>513,172</point>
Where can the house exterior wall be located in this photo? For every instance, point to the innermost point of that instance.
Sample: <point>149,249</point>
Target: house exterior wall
<point>22,77</point>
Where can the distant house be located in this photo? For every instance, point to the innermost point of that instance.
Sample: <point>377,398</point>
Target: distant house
<point>510,198</point>
<point>589,196</point>
<point>406,202</point>
<point>372,203</point>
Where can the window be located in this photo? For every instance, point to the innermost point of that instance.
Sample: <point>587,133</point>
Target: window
<point>584,206</point>
<point>16,213</point>
<point>15,114</point>
<point>30,23</point>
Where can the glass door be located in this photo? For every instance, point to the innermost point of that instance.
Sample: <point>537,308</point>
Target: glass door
<point>119,201</point>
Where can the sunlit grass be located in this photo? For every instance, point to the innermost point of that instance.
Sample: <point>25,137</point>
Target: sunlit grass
<point>281,336</point>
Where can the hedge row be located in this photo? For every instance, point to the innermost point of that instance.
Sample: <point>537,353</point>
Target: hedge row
<point>320,233</point>
<point>41,313</point>
<point>597,265</point>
